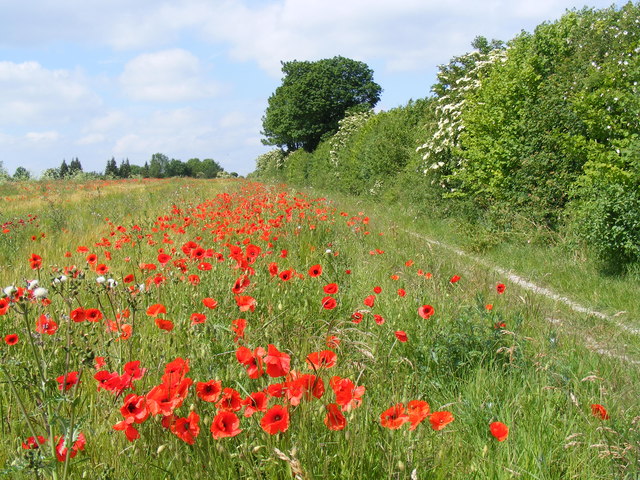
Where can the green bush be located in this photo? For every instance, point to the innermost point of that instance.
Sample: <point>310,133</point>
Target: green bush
<point>607,208</point>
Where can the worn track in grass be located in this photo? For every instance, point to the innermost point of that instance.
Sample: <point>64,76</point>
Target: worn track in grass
<point>591,343</point>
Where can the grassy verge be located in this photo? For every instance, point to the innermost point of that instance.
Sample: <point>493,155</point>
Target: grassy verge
<point>482,356</point>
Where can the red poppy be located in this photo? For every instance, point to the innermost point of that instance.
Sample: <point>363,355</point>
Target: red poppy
<point>197,318</point>
<point>401,292</point>
<point>276,390</point>
<point>209,391</point>
<point>100,362</point>
<point>500,288</point>
<point>370,301</point>
<point>187,429</point>
<point>102,269</point>
<point>356,317</point>
<point>241,284</point>
<point>4,306</point>
<point>238,326</point>
<point>348,396</point>
<point>439,420</point>
<point>135,408</point>
<point>46,325</point>
<point>210,303</point>
<point>599,411</point>
<point>163,324</point>
<point>156,309</point>
<point>225,424</point>
<point>323,359</point>
<point>163,259</point>
<point>401,335</point>
<point>255,402</point>
<point>394,417</point>
<point>129,430</point>
<point>277,362</point>
<point>331,288</point>
<point>194,279</point>
<point>425,311</point>
<point>329,303</point>
<point>92,259</point>
<point>126,332</point>
<point>11,339</point>
<point>62,451</point>
<point>273,269</point>
<point>93,314</point>
<point>253,361</point>
<point>33,442</point>
<point>175,371</point>
<point>65,382</point>
<point>78,315</point>
<point>275,420</point>
<point>417,410</point>
<point>286,275</point>
<point>163,399</point>
<point>379,319</point>
<point>35,261</point>
<point>499,430</point>
<point>377,290</point>
<point>128,278</point>
<point>334,420</point>
<point>454,279</point>
<point>315,271</point>
<point>246,303</point>
<point>229,400</point>
<point>204,266</point>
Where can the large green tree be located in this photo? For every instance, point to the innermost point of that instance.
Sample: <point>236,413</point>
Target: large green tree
<point>313,98</point>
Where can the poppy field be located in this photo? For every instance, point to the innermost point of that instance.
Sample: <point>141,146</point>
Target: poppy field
<point>183,328</point>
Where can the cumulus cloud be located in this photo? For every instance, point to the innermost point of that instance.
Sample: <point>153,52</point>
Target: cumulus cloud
<point>173,75</point>
<point>31,94</point>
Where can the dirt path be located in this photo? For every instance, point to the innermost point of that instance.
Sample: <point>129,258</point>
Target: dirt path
<point>527,285</point>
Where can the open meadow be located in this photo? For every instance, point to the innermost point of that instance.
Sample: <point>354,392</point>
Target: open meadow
<point>186,329</point>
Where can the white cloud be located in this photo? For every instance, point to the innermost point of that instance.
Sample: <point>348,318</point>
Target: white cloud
<point>174,75</point>
<point>33,95</point>
<point>42,137</point>
<point>91,139</point>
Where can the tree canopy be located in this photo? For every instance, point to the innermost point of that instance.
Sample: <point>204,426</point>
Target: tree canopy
<point>313,98</point>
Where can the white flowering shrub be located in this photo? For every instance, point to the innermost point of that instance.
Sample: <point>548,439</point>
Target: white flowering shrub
<point>349,126</point>
<point>270,163</point>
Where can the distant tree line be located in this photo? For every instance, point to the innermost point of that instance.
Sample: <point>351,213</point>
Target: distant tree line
<point>160,166</point>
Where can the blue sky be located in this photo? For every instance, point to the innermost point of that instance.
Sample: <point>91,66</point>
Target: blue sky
<point>191,78</point>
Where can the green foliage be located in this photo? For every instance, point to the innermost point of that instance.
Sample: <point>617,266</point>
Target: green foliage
<point>515,137</point>
<point>111,170</point>
<point>4,175</point>
<point>607,210</point>
<point>124,171</point>
<point>21,174</point>
<point>313,98</point>
<point>75,166</point>
<point>63,171</point>
<point>564,96</point>
<point>158,165</point>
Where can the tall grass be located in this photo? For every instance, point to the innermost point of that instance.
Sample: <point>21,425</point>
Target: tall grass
<point>504,362</point>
